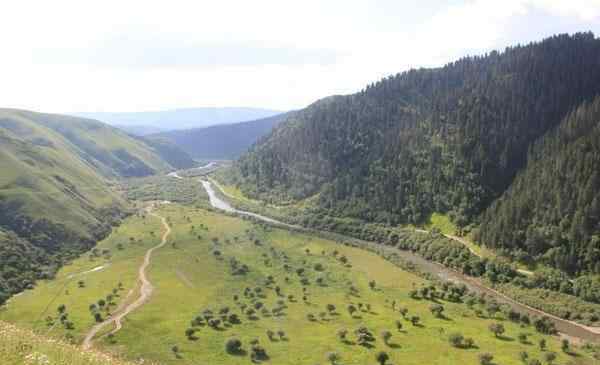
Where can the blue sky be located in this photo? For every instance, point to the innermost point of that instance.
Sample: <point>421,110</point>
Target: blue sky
<point>67,56</point>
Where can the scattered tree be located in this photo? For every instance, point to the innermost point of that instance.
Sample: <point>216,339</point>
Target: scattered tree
<point>386,336</point>
<point>437,310</point>
<point>486,358</point>
<point>382,357</point>
<point>456,339</point>
<point>233,346</point>
<point>497,329</point>
<point>333,357</point>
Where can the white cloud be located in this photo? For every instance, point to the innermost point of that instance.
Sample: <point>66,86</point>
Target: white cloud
<point>583,9</point>
<point>66,55</point>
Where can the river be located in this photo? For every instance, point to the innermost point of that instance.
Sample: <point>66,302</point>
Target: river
<point>568,328</point>
<point>219,203</point>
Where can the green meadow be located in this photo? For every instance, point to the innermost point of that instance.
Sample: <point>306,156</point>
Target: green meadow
<point>277,297</point>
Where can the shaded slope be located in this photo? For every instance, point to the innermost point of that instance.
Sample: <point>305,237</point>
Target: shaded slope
<point>552,210</point>
<point>222,141</point>
<point>449,139</point>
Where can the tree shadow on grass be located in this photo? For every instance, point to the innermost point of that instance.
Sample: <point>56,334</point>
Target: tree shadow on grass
<point>505,338</point>
<point>239,353</point>
<point>367,345</point>
<point>445,318</point>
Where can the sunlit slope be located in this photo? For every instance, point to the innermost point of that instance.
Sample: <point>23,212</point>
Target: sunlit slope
<point>44,178</point>
<point>56,193</point>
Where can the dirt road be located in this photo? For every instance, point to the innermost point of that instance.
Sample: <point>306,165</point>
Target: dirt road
<point>145,291</point>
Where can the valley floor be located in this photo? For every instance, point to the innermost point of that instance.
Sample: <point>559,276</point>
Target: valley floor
<point>215,265</point>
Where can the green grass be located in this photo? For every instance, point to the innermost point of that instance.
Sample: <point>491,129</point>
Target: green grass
<point>189,278</point>
<point>441,222</point>
<point>234,192</point>
<point>33,306</point>
<point>19,346</point>
<point>58,167</point>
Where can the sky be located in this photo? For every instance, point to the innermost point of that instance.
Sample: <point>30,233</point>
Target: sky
<point>83,56</point>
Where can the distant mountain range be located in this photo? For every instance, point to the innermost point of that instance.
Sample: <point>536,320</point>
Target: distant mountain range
<point>222,141</point>
<point>140,130</point>
<point>143,123</point>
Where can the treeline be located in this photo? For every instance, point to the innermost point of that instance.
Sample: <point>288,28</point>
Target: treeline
<point>551,213</point>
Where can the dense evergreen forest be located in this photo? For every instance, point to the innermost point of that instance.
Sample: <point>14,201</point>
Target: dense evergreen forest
<point>448,140</point>
<point>552,210</point>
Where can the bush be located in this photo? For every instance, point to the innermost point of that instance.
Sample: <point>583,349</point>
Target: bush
<point>382,357</point>
<point>333,357</point>
<point>486,358</point>
<point>523,337</point>
<point>497,329</point>
<point>436,310</point>
<point>233,346</point>
<point>456,339</point>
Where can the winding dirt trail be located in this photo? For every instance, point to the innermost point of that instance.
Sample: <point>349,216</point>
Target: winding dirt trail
<point>146,290</point>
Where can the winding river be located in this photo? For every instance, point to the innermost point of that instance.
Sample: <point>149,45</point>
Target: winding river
<point>219,203</point>
<point>568,328</point>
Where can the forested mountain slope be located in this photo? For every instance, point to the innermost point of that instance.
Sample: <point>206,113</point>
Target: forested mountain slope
<point>221,141</point>
<point>449,139</point>
<point>552,210</point>
<point>55,193</point>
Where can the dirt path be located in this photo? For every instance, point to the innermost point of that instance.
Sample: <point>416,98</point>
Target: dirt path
<point>146,290</point>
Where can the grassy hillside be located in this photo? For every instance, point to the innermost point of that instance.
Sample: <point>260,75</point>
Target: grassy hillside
<point>221,141</point>
<point>108,150</point>
<point>19,346</point>
<point>56,189</point>
<point>216,266</point>
<point>174,155</point>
